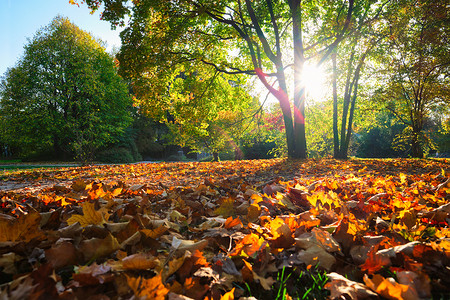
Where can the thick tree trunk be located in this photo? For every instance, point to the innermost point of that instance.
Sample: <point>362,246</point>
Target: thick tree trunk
<point>416,148</point>
<point>299,88</point>
<point>215,156</point>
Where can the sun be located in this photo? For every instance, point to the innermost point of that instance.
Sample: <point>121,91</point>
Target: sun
<point>314,79</point>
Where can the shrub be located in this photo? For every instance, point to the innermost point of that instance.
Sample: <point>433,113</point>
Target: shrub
<point>259,150</point>
<point>116,155</point>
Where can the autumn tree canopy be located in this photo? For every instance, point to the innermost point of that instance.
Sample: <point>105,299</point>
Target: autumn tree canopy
<point>416,80</point>
<point>270,39</point>
<point>63,94</point>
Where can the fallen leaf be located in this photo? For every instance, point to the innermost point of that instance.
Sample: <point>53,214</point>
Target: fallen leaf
<point>62,253</point>
<point>228,296</point>
<point>316,255</point>
<point>343,288</point>
<point>152,288</point>
<point>389,288</point>
<point>24,228</point>
<point>140,261</point>
<point>184,245</point>
<point>90,216</point>
<point>97,248</point>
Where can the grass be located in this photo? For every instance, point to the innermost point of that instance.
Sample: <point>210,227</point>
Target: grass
<point>10,161</point>
<point>30,167</point>
<point>292,283</point>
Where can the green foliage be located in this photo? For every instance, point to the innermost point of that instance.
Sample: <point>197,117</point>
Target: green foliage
<point>293,283</point>
<point>203,110</point>
<point>416,60</point>
<point>443,136</point>
<point>149,136</point>
<point>231,37</point>
<point>63,96</point>
<point>260,150</point>
<point>116,155</point>
<point>319,131</point>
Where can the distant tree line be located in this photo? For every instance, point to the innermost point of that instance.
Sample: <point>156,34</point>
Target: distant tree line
<point>183,83</point>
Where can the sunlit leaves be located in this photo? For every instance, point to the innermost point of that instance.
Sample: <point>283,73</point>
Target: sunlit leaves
<point>201,229</point>
<point>152,288</point>
<point>90,216</point>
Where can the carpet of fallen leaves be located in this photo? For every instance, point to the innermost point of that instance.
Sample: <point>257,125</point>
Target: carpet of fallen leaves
<point>227,230</point>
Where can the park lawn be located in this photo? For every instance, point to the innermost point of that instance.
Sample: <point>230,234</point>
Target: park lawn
<point>269,229</point>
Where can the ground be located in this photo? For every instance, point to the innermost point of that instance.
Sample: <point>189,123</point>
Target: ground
<point>269,229</point>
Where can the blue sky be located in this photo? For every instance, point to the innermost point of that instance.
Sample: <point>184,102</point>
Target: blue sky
<point>20,19</point>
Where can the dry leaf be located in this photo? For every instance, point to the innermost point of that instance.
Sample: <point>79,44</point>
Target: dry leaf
<point>389,288</point>
<point>90,216</point>
<point>343,288</point>
<point>152,288</point>
<point>97,248</point>
<point>183,245</point>
<point>24,228</point>
<point>140,261</point>
<point>316,255</point>
<point>228,296</point>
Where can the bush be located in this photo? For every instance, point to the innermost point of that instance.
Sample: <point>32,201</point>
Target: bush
<point>259,150</point>
<point>116,155</point>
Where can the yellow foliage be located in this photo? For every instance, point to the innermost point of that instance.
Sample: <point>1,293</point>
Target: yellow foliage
<point>90,216</point>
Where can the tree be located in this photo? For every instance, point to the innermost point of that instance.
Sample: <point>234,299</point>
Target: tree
<point>267,38</point>
<point>204,110</point>
<point>64,94</point>
<point>348,62</point>
<point>418,68</point>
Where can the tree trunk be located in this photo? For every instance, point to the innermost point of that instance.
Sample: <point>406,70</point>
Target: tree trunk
<point>416,148</point>
<point>335,109</point>
<point>215,156</point>
<point>299,88</point>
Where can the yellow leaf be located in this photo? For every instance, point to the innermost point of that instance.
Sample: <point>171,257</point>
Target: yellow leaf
<point>402,178</point>
<point>90,216</point>
<point>228,296</point>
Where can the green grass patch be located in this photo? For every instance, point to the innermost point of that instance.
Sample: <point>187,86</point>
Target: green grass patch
<point>10,161</point>
<point>293,282</point>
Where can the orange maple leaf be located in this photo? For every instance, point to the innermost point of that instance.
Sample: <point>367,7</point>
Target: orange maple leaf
<point>249,245</point>
<point>152,288</point>
<point>374,261</point>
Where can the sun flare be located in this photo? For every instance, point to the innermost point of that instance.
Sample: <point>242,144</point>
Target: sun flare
<point>314,79</point>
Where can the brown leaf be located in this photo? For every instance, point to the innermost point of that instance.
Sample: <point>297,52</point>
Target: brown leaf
<point>140,261</point>
<point>8,261</point>
<point>92,275</point>
<point>343,288</point>
<point>183,245</point>
<point>266,283</point>
<point>24,228</point>
<point>61,254</point>
<point>375,261</point>
<point>230,223</point>
<point>316,255</point>
<point>228,296</point>
<point>97,248</point>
